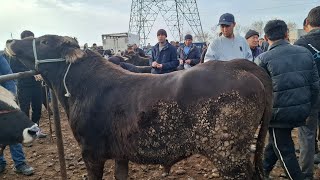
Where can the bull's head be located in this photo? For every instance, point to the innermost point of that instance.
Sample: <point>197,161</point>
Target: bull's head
<point>35,52</point>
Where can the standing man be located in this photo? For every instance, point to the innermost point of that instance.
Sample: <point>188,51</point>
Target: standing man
<point>164,55</point>
<point>307,133</point>
<point>295,91</point>
<point>138,51</point>
<point>17,155</point>
<point>228,46</point>
<point>188,54</point>
<point>29,88</point>
<point>252,38</point>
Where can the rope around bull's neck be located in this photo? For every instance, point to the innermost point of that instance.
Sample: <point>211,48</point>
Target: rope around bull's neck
<point>37,62</point>
<point>64,82</point>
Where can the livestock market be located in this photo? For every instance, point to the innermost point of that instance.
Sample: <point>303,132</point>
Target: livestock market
<point>190,90</point>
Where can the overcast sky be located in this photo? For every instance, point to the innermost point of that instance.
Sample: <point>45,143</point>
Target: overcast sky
<point>89,19</point>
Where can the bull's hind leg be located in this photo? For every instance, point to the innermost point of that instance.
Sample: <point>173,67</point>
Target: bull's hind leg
<point>121,169</point>
<point>93,164</point>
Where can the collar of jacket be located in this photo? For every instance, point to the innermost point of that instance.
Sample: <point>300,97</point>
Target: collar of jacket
<point>165,46</point>
<point>315,30</point>
<point>278,43</point>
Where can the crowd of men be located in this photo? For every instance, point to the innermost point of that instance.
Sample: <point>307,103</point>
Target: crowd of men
<point>294,70</point>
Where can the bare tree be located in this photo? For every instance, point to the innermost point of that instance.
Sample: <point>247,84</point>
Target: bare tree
<point>241,29</point>
<point>291,26</point>
<point>258,26</point>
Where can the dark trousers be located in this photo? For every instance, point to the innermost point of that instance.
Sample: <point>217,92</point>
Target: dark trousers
<point>31,96</point>
<point>281,147</point>
<point>45,97</point>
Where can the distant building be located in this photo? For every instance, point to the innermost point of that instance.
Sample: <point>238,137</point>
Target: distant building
<point>119,41</point>
<point>295,34</point>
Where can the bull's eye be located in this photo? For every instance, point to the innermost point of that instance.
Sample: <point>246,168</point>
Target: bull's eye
<point>44,42</point>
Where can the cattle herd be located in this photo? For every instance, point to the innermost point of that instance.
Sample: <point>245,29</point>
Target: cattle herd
<point>212,109</point>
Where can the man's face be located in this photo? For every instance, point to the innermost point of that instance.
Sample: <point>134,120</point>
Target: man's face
<point>161,38</point>
<point>227,30</point>
<point>188,42</point>
<point>253,41</point>
<point>135,46</point>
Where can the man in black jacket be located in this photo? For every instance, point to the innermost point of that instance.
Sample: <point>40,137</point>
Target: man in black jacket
<point>307,133</point>
<point>29,88</point>
<point>295,91</point>
<point>188,54</point>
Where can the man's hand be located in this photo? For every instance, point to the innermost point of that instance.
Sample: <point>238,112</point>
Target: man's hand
<point>188,61</point>
<point>180,61</point>
<point>38,77</point>
<point>154,64</point>
<point>159,66</point>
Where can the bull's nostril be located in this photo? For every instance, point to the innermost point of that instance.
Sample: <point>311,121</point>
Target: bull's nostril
<point>9,41</point>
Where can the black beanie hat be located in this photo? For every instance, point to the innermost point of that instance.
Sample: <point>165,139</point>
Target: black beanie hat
<point>251,33</point>
<point>162,32</point>
<point>188,36</point>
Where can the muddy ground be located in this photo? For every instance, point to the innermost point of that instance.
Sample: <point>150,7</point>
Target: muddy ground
<point>43,157</point>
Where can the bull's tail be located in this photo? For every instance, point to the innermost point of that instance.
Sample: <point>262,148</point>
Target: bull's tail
<point>258,168</point>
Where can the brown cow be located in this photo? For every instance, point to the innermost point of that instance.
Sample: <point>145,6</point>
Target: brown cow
<point>212,109</point>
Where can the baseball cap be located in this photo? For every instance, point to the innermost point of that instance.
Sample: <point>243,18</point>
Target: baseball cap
<point>226,19</point>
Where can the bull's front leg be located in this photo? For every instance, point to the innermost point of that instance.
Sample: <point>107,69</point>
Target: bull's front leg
<point>93,164</point>
<point>121,169</point>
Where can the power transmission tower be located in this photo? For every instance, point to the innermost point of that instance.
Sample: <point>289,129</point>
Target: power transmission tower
<point>144,14</point>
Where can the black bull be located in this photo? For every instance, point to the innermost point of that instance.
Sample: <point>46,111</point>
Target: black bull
<point>212,109</point>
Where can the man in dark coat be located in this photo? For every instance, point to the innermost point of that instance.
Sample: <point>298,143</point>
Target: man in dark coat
<point>138,50</point>
<point>164,55</point>
<point>29,88</point>
<point>307,133</point>
<point>295,91</point>
<point>188,54</point>
<point>252,38</point>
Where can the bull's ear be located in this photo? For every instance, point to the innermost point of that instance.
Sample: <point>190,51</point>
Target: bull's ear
<point>72,54</point>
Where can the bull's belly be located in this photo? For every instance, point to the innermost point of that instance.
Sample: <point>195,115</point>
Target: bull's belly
<point>216,129</point>
<point>166,147</point>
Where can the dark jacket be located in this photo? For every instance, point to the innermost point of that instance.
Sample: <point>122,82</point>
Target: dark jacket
<point>193,55</point>
<point>265,45</point>
<point>140,52</point>
<point>313,38</point>
<point>203,54</point>
<point>295,83</point>
<point>167,57</point>
<point>16,67</point>
<point>4,70</point>
<point>256,52</point>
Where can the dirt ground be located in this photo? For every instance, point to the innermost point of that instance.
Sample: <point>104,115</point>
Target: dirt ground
<point>43,157</point>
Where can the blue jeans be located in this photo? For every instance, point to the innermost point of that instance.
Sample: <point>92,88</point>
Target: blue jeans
<point>17,156</point>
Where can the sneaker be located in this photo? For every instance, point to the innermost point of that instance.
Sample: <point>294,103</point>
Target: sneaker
<point>2,168</point>
<point>42,135</point>
<point>24,169</point>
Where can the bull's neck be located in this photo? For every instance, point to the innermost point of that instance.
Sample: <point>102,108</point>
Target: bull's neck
<point>80,78</point>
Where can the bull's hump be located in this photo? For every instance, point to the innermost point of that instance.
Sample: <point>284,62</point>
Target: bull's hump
<point>8,98</point>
